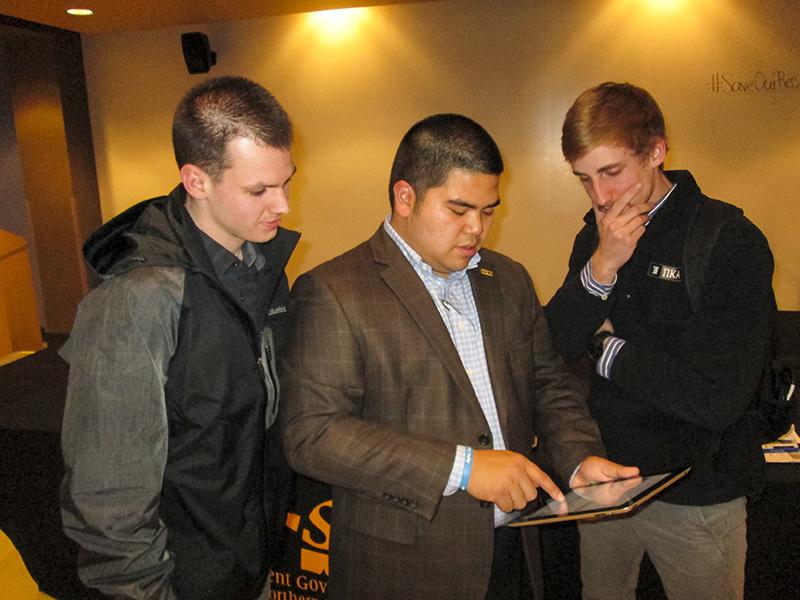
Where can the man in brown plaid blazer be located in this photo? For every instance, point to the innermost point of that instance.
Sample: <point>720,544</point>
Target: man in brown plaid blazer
<point>418,378</point>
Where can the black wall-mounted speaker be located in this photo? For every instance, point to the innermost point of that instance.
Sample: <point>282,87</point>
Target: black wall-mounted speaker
<point>197,52</point>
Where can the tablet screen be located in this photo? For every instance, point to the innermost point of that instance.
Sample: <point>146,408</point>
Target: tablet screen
<point>600,499</point>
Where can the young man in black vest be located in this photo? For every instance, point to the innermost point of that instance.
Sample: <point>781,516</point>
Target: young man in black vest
<point>672,382</point>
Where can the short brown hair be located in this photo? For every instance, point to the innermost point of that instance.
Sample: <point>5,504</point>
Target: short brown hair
<point>612,113</point>
<point>220,109</point>
<point>439,144</point>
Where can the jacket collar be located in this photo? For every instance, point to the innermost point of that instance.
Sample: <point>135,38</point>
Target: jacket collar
<point>159,232</point>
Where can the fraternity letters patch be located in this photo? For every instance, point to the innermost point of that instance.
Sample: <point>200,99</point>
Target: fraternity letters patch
<point>665,272</point>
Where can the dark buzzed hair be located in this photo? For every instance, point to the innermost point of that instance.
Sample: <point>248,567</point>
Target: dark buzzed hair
<point>439,144</point>
<point>220,109</point>
<point>617,114</point>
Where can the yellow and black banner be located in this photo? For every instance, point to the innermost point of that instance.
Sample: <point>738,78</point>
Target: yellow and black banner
<point>302,574</point>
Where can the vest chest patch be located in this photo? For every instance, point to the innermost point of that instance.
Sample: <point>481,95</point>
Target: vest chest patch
<point>665,272</point>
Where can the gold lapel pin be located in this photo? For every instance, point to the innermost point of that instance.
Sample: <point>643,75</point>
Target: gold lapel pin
<point>487,272</point>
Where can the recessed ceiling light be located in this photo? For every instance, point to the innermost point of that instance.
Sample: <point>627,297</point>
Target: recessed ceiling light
<point>80,12</point>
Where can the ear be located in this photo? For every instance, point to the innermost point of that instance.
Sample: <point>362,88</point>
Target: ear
<point>404,198</point>
<point>658,152</point>
<point>195,181</point>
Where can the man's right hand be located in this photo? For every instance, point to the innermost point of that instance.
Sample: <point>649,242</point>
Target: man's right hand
<point>619,229</point>
<point>508,479</point>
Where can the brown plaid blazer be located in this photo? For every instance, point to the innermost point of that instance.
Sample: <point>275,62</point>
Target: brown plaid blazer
<point>374,400</point>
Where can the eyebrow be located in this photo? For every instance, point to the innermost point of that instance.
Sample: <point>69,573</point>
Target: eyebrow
<point>465,204</point>
<point>602,169</point>
<point>259,185</point>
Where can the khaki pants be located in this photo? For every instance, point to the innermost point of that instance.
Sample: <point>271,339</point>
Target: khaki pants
<point>698,551</point>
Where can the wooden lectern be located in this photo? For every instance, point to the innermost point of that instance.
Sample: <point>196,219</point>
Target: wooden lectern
<point>20,331</point>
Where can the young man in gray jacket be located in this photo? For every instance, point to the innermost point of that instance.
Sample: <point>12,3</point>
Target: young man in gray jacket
<point>174,475</point>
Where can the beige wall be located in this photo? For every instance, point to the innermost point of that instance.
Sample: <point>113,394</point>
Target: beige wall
<point>515,66</point>
<point>47,133</point>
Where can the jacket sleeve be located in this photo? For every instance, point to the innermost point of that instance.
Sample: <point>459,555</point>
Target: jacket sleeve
<point>710,375</point>
<point>573,313</point>
<point>114,438</point>
<point>568,432</point>
<point>324,431</point>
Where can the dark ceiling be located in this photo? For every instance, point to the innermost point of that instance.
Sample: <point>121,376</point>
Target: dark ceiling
<point>129,15</point>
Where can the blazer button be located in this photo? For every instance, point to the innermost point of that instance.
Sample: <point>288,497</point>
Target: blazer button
<point>485,504</point>
<point>387,496</point>
<point>484,440</point>
<point>535,441</point>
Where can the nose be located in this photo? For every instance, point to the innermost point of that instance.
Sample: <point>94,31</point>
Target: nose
<point>475,223</point>
<point>280,201</point>
<point>601,192</point>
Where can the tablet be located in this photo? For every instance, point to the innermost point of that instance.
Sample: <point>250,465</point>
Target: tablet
<point>616,497</point>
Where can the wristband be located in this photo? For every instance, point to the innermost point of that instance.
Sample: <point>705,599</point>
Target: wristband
<point>467,468</point>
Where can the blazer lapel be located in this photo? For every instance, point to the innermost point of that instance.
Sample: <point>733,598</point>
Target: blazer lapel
<point>401,278</point>
<point>488,298</point>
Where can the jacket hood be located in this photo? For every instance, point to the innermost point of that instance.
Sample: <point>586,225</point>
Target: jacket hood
<point>149,233</point>
<point>159,233</point>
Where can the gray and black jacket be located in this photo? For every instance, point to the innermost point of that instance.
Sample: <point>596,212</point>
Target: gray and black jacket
<point>173,476</point>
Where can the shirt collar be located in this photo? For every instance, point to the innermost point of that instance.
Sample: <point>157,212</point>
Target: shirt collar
<point>661,202</point>
<point>422,268</point>
<point>223,259</point>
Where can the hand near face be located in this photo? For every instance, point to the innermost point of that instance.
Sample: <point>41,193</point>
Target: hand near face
<point>508,479</point>
<point>619,228</point>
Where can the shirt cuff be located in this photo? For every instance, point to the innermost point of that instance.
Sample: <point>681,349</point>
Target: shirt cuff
<point>611,348</point>
<point>454,482</point>
<point>600,290</point>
